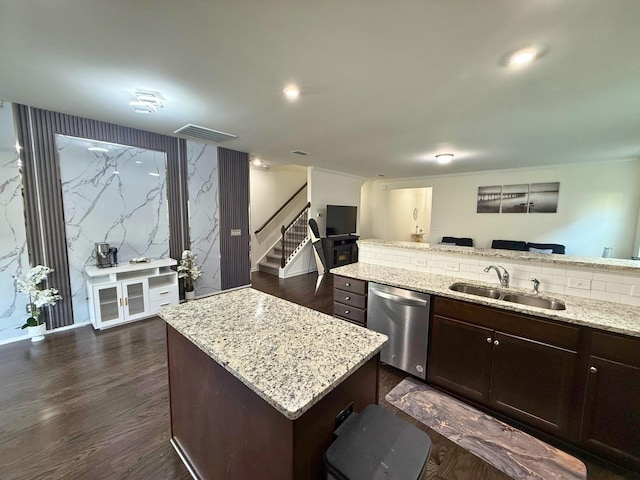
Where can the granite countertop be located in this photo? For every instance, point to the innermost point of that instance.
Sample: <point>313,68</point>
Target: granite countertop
<point>289,355</point>
<point>608,316</point>
<point>618,264</point>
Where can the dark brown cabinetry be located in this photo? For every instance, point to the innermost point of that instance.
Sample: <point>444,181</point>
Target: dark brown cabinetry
<point>611,416</point>
<point>518,365</point>
<point>350,299</point>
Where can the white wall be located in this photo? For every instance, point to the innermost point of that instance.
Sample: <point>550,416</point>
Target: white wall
<point>269,190</point>
<point>404,201</point>
<point>327,187</point>
<point>598,206</point>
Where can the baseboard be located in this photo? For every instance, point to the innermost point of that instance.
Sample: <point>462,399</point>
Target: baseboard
<point>55,330</point>
<point>182,456</point>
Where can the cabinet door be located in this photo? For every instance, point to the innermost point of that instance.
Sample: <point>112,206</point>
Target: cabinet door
<point>611,418</point>
<point>460,357</point>
<point>107,302</point>
<point>532,381</point>
<point>136,302</point>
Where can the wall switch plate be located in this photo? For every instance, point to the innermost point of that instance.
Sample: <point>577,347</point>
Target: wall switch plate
<point>236,232</point>
<point>582,283</point>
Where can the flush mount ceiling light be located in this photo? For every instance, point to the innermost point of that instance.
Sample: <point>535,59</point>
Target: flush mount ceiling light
<point>444,158</point>
<point>523,56</point>
<point>146,103</point>
<point>292,92</point>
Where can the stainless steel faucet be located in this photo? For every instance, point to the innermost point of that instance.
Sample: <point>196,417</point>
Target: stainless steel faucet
<point>536,284</point>
<point>503,277</point>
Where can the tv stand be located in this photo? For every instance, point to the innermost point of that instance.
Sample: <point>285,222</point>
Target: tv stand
<point>340,250</point>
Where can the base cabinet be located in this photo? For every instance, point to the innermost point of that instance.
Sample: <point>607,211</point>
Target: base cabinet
<point>520,366</point>
<point>611,415</point>
<point>127,293</point>
<point>350,300</point>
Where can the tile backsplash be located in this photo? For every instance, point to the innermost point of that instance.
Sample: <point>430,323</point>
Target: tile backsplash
<point>598,284</point>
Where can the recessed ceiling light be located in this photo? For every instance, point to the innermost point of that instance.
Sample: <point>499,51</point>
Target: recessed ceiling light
<point>523,56</point>
<point>291,91</point>
<point>98,149</point>
<point>444,158</point>
<point>257,162</point>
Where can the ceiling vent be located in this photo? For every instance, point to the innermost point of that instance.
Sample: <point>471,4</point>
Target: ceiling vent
<point>195,131</point>
<point>299,152</point>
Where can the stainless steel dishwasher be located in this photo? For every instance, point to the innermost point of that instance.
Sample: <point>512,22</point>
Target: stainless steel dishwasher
<point>403,316</point>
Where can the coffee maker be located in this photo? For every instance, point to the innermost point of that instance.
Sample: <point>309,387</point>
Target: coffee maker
<point>106,256</point>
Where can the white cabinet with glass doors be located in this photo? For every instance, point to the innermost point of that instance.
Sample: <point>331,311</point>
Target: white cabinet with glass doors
<point>130,292</point>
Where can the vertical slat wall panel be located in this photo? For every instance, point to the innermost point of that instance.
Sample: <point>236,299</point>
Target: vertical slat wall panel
<point>46,233</point>
<point>235,266</point>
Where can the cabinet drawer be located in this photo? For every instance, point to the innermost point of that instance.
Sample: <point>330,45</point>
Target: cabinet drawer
<point>157,305</point>
<point>162,294</point>
<point>350,284</point>
<point>349,298</point>
<point>355,314</point>
<point>617,348</point>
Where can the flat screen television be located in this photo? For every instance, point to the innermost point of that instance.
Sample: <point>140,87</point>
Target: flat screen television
<point>341,219</point>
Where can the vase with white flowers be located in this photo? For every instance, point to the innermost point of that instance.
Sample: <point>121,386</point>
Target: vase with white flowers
<point>39,298</point>
<point>190,272</point>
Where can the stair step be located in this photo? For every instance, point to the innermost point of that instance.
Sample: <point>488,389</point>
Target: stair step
<point>269,267</point>
<point>274,258</point>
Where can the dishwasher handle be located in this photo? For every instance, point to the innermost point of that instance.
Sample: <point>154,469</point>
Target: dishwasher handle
<point>410,302</point>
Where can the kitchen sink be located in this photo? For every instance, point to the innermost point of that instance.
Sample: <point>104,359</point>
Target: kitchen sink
<point>521,298</point>
<point>475,290</point>
<point>533,301</point>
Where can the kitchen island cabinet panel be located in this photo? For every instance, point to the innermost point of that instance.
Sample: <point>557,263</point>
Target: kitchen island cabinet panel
<point>218,423</point>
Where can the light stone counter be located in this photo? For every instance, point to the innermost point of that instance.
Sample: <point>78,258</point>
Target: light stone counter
<point>290,355</point>
<point>616,264</point>
<point>608,316</point>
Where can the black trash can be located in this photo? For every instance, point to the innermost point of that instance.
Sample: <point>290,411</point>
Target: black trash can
<point>376,445</point>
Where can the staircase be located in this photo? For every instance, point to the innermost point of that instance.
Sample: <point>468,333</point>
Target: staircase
<point>272,260</point>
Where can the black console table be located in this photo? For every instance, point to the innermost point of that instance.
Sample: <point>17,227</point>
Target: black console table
<point>340,250</point>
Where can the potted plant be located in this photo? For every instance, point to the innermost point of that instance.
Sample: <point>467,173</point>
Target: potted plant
<point>38,298</point>
<point>190,272</point>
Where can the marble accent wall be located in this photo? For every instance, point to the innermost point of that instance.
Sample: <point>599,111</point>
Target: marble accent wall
<point>204,222</point>
<point>118,197</point>
<point>14,259</point>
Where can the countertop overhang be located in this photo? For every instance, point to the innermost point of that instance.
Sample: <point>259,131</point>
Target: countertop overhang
<point>290,355</point>
<point>607,316</point>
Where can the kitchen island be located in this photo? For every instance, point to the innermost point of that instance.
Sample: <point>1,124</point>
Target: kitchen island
<point>256,383</point>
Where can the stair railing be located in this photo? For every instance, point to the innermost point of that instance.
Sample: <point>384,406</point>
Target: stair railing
<point>284,205</point>
<point>294,234</point>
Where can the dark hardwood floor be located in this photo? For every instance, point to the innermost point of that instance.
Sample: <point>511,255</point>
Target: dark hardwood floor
<point>95,405</point>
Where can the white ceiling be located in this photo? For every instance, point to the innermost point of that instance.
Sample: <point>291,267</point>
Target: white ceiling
<point>385,84</point>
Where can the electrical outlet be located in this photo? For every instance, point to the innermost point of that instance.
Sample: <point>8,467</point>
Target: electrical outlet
<point>342,416</point>
<point>420,262</point>
<point>582,283</point>
<point>452,266</point>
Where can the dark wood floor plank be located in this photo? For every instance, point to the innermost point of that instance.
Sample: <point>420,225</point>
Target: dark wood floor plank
<point>95,405</point>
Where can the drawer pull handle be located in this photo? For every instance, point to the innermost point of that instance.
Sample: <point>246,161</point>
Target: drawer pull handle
<point>347,312</point>
<point>496,343</point>
<point>164,304</point>
<point>489,340</point>
<point>347,284</point>
<point>163,293</point>
<point>593,369</point>
<point>347,298</point>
